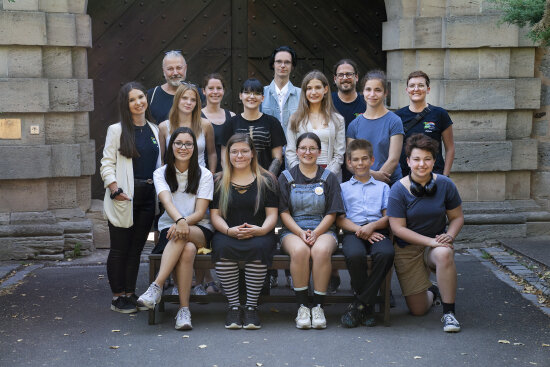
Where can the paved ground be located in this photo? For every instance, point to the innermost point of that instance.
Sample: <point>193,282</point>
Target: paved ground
<point>59,316</point>
<point>537,249</point>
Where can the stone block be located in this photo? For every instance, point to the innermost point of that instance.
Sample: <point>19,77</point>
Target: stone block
<point>461,7</point>
<point>398,34</point>
<point>522,62</point>
<point>55,6</point>
<point>22,162</point>
<point>482,156</point>
<point>21,248</point>
<point>24,95</point>
<point>540,187</point>
<point>545,95</point>
<point>77,6</point>
<point>461,64</point>
<point>27,120</point>
<point>527,93</point>
<point>83,30</point>
<point>397,9</point>
<point>24,5</point>
<point>57,62</point>
<point>400,63</point>
<point>523,39</point>
<point>59,128</point>
<point>87,158</point>
<point>430,61</point>
<point>491,186</point>
<point>477,233</point>
<point>540,128</point>
<point>538,229</point>
<point>483,94</point>
<point>41,217</point>
<point>80,63</point>
<point>80,226</point>
<point>65,160</point>
<point>4,61</point>
<point>518,185</point>
<point>24,62</point>
<point>479,125</point>
<point>61,29</point>
<point>4,219</point>
<point>544,155</point>
<point>64,95</point>
<point>85,95</point>
<point>22,28</point>
<point>519,124</point>
<point>494,63</point>
<point>23,195</point>
<point>82,127</point>
<point>431,8</point>
<point>62,193</point>
<point>428,32</point>
<point>100,226</point>
<point>524,154</point>
<point>72,214</point>
<point>84,192</point>
<point>478,31</point>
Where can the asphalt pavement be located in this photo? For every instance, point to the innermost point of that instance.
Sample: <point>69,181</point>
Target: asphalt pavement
<point>60,316</point>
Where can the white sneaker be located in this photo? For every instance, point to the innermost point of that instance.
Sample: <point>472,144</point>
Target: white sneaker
<point>175,290</point>
<point>318,320</point>
<point>183,319</point>
<point>199,290</point>
<point>303,319</point>
<point>450,323</point>
<point>151,297</point>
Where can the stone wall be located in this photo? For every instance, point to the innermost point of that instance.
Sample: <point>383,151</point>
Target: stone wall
<point>541,131</point>
<point>47,156</point>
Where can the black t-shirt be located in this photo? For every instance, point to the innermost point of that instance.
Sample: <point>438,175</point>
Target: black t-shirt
<point>432,125</point>
<point>349,110</point>
<point>148,149</point>
<point>218,138</point>
<point>162,103</point>
<point>333,193</point>
<point>266,132</point>
<point>241,206</point>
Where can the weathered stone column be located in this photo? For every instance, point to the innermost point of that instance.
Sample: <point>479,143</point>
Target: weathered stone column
<point>46,156</point>
<point>483,74</point>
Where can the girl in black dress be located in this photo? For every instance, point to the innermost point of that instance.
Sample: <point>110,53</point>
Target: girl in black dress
<point>244,212</point>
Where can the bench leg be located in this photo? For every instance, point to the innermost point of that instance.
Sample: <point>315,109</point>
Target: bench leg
<point>152,316</point>
<point>387,289</point>
<point>161,304</point>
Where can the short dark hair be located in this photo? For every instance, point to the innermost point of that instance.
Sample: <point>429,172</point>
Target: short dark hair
<point>252,85</point>
<point>343,62</point>
<point>358,144</point>
<point>421,141</point>
<point>309,135</point>
<point>375,74</point>
<point>419,74</point>
<point>288,49</point>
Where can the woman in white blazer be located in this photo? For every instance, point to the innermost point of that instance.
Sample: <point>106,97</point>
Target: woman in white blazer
<point>130,156</point>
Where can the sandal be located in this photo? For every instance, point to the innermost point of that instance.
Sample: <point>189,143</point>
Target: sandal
<point>212,288</point>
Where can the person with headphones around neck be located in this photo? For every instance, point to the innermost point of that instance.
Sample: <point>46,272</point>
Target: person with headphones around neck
<point>418,209</point>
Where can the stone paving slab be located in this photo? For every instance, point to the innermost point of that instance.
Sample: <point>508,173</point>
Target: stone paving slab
<point>5,269</point>
<point>537,249</point>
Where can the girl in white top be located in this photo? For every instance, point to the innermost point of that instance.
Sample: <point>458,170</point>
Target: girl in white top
<point>185,189</point>
<point>186,111</point>
<point>317,114</point>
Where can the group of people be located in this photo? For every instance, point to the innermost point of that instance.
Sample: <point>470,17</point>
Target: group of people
<point>319,162</point>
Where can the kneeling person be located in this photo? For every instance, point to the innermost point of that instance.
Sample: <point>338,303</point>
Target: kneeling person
<point>365,227</point>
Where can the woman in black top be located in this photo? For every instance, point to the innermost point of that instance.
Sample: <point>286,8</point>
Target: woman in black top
<point>130,156</point>
<point>244,212</point>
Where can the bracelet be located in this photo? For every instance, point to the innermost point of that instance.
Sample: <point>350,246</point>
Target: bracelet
<point>227,232</point>
<point>181,219</point>
<point>116,193</point>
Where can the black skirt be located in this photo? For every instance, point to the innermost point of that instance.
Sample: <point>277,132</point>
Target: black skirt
<point>259,248</point>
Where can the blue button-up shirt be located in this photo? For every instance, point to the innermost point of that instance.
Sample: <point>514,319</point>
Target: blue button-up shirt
<point>364,202</point>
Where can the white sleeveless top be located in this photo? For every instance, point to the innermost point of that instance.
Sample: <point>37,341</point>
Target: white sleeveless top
<point>324,136</point>
<point>201,144</point>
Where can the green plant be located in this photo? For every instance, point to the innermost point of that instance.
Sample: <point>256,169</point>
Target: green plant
<point>532,13</point>
<point>486,256</point>
<point>77,249</point>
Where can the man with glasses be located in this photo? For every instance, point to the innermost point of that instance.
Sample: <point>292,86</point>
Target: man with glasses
<point>161,97</point>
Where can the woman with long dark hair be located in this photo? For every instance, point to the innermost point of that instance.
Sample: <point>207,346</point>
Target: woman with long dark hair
<point>185,189</point>
<point>130,156</point>
<point>244,213</point>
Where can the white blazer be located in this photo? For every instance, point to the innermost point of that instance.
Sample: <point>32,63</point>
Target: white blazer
<point>117,168</point>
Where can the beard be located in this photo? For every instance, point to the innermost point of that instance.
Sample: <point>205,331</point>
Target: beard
<point>346,88</point>
<point>174,81</point>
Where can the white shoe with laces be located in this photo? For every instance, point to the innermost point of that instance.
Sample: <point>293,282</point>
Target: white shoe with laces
<point>303,319</point>
<point>151,297</point>
<point>450,323</point>
<point>183,319</point>
<point>318,320</point>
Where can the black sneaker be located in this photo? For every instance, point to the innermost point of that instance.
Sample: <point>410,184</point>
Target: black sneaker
<point>123,305</point>
<point>233,320</point>
<point>251,320</point>
<point>354,315</point>
<point>437,296</point>
<point>333,284</point>
<point>133,299</point>
<point>368,317</point>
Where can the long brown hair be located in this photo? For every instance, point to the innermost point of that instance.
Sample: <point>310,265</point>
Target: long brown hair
<point>127,136</point>
<point>173,116</point>
<point>300,117</point>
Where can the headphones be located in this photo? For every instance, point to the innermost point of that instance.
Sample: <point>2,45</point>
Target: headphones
<point>427,190</point>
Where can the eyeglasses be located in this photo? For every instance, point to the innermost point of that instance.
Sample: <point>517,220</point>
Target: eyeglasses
<point>283,62</point>
<point>172,52</point>
<point>416,86</point>
<point>251,93</point>
<point>180,144</point>
<point>241,152</point>
<point>305,149</point>
<point>345,75</point>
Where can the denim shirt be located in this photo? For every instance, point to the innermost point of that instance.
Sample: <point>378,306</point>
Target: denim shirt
<point>270,105</point>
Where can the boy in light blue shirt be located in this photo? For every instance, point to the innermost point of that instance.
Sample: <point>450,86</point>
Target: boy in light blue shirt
<point>365,227</point>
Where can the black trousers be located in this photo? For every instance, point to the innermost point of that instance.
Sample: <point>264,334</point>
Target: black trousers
<point>356,250</point>
<point>127,243</point>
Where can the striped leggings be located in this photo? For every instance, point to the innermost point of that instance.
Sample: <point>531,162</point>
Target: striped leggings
<point>228,274</point>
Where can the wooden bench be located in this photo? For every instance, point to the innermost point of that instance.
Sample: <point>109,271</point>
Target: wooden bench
<point>280,261</point>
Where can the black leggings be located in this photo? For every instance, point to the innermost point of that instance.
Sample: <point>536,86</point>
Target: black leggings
<point>127,243</point>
